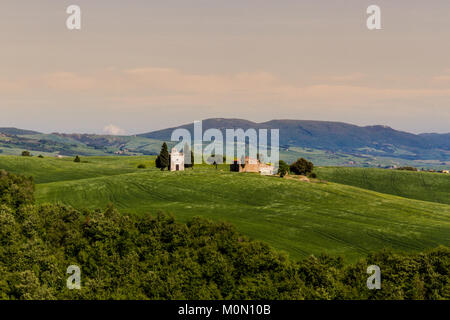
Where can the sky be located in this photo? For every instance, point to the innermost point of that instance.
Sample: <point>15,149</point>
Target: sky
<point>140,65</point>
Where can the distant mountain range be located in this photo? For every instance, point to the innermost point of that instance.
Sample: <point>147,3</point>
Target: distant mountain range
<point>15,131</point>
<point>337,137</point>
<point>330,139</point>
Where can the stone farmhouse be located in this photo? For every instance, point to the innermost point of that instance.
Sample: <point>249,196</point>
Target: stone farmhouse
<point>176,160</point>
<point>252,165</point>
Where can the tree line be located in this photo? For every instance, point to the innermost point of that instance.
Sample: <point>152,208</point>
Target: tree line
<point>299,167</point>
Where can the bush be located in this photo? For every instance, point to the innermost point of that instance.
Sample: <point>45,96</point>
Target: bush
<point>283,168</point>
<point>26,154</point>
<point>302,167</point>
<point>407,168</point>
<point>15,190</point>
<point>312,175</point>
<point>142,166</point>
<point>40,156</point>
<point>77,159</point>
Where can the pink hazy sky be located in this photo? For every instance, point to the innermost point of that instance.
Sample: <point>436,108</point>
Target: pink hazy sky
<point>138,66</point>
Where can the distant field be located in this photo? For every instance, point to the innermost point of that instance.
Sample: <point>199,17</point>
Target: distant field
<point>297,217</point>
<point>425,186</point>
<point>51,169</point>
<point>76,144</point>
<point>50,145</point>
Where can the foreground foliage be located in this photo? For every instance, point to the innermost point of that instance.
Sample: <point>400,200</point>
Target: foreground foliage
<point>145,257</point>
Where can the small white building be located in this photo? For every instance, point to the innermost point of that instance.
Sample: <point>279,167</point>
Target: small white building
<point>176,160</point>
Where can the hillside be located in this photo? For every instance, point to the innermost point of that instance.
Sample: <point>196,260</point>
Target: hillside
<point>297,217</point>
<point>337,136</point>
<point>54,169</point>
<point>324,143</point>
<point>16,131</point>
<point>14,142</point>
<point>438,140</point>
<point>154,257</point>
<point>424,186</point>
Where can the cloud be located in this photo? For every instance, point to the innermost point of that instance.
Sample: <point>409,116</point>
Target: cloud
<point>444,77</point>
<point>68,81</point>
<point>175,81</point>
<point>11,86</point>
<point>351,77</point>
<point>113,130</point>
<point>150,90</point>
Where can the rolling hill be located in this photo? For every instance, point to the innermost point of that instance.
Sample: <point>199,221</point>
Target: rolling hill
<point>324,143</point>
<point>75,144</point>
<point>297,217</point>
<point>426,186</point>
<point>337,137</point>
<point>16,131</point>
<point>437,140</point>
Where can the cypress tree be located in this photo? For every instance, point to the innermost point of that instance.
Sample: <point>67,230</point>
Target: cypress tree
<point>163,161</point>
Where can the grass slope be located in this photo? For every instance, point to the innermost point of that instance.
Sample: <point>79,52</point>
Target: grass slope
<point>52,169</point>
<point>425,186</point>
<point>297,217</point>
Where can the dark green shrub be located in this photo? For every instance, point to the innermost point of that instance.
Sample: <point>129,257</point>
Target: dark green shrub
<point>407,168</point>
<point>312,175</point>
<point>302,167</point>
<point>283,168</point>
<point>15,190</point>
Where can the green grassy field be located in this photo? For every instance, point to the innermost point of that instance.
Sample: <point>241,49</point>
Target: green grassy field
<point>51,169</point>
<point>297,217</point>
<point>425,186</point>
